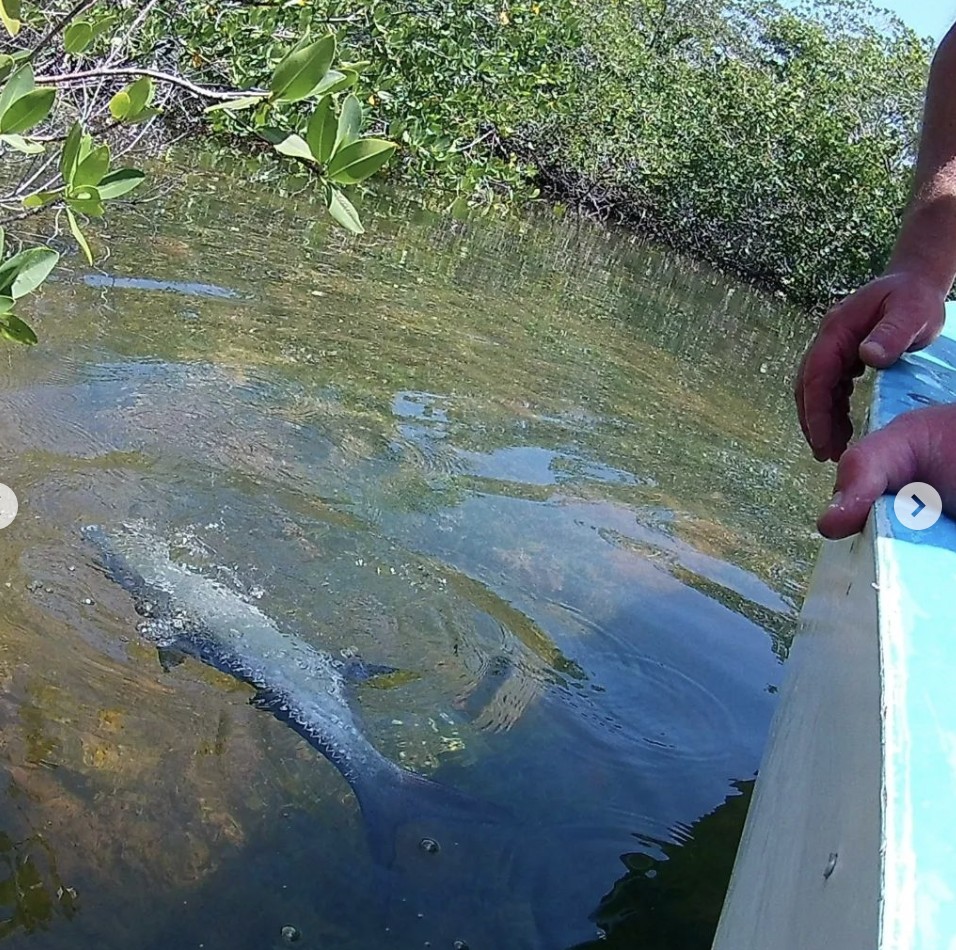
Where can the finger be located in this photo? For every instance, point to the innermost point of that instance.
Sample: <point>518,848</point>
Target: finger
<point>842,434</point>
<point>883,461</point>
<point>799,386</point>
<point>798,396</point>
<point>842,427</point>
<point>888,341</point>
<point>844,388</point>
<point>900,329</point>
<point>833,357</point>
<point>830,361</point>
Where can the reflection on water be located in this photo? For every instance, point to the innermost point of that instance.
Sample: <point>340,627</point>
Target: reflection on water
<point>672,891</point>
<point>547,475</point>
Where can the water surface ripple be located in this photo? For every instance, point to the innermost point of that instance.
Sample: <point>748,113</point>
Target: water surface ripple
<point>547,475</point>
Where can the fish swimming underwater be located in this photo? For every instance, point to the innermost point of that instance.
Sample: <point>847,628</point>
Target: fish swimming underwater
<point>302,686</point>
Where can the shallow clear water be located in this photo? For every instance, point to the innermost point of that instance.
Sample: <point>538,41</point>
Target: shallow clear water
<point>548,474</point>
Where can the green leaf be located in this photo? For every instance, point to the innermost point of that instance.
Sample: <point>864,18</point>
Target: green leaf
<point>21,144</point>
<point>91,207</point>
<point>10,15</point>
<point>86,146</point>
<point>3,240</point>
<point>350,122</point>
<point>121,182</point>
<point>40,198</point>
<point>6,304</point>
<point>132,103</point>
<point>336,81</point>
<point>71,151</point>
<point>28,110</point>
<point>273,134</point>
<point>235,105</point>
<point>19,84</point>
<point>120,105</point>
<point>144,116</point>
<point>86,199</point>
<point>299,74</point>
<point>321,130</point>
<point>78,36</point>
<point>140,94</point>
<point>92,169</point>
<point>459,208</point>
<point>103,24</point>
<point>296,147</point>
<point>343,211</point>
<point>13,328</point>
<point>24,272</point>
<point>7,64</point>
<point>79,235</point>
<point>356,162</point>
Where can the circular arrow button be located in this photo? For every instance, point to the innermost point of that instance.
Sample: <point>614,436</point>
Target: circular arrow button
<point>918,506</point>
<point>8,506</point>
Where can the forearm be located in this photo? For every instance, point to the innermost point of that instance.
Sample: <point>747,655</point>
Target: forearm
<point>927,240</point>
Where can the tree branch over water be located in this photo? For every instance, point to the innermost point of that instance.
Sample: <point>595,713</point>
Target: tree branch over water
<point>202,92</point>
<point>91,81</point>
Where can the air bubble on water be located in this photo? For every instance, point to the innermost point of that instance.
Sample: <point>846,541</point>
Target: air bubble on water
<point>291,934</point>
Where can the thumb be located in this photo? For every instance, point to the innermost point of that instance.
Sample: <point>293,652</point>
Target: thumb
<point>910,317</point>
<point>891,338</point>
<point>883,461</point>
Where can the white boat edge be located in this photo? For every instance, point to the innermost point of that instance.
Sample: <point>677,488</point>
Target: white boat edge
<point>850,841</point>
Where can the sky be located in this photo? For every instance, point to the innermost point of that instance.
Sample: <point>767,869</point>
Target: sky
<point>927,17</point>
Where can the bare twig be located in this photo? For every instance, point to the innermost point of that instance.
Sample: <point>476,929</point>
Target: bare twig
<point>201,91</point>
<point>21,216</point>
<point>114,53</point>
<point>93,130</point>
<point>131,32</point>
<point>27,182</point>
<point>464,149</point>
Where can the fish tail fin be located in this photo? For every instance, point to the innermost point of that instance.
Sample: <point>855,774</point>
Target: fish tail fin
<point>397,800</point>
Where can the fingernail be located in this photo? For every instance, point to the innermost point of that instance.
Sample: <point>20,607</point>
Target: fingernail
<point>837,501</point>
<point>874,349</point>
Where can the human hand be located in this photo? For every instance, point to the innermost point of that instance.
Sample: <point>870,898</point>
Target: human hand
<point>918,446</point>
<point>872,327</point>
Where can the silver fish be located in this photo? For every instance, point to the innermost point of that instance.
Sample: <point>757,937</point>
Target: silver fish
<point>300,685</point>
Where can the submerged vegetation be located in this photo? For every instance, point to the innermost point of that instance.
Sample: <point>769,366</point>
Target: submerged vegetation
<point>773,141</point>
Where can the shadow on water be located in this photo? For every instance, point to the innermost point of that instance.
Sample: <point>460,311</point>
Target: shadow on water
<point>547,474</point>
<point>672,893</point>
